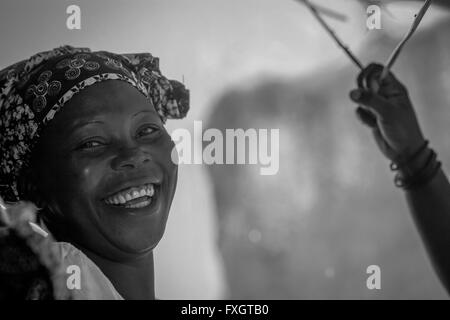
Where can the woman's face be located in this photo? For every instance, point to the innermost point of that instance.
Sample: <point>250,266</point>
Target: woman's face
<point>105,170</point>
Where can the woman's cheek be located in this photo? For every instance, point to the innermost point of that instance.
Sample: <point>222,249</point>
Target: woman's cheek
<point>169,152</point>
<point>85,176</point>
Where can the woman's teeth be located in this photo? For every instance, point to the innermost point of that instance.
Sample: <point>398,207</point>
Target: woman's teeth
<point>135,197</point>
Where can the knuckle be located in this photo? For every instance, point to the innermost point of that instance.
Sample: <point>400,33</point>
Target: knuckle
<point>374,65</point>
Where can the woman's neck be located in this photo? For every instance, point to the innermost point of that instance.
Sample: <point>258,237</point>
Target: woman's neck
<point>134,280</point>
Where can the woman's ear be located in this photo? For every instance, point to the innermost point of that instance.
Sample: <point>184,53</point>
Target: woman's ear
<point>27,187</point>
<point>31,190</point>
<point>48,210</point>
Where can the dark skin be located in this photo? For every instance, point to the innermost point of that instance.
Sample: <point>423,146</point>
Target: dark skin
<point>390,115</point>
<point>107,138</point>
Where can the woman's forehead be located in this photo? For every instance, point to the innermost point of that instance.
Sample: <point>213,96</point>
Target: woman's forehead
<point>108,97</point>
<point>104,101</point>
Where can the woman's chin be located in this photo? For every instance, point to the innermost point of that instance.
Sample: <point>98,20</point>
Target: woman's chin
<point>134,230</point>
<point>136,240</point>
<point>138,249</point>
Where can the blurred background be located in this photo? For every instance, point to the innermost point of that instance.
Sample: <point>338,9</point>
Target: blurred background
<point>332,210</point>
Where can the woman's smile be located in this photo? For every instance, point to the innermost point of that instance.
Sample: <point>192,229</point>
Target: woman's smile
<point>132,197</point>
<point>141,199</point>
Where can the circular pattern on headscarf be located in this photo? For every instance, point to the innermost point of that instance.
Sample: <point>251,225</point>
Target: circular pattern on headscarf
<point>45,76</point>
<point>34,90</point>
<point>72,73</point>
<point>91,65</point>
<point>54,87</point>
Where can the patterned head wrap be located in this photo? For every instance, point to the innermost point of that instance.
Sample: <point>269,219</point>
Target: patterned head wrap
<point>34,90</point>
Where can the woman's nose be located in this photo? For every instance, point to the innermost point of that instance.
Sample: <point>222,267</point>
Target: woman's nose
<point>130,158</point>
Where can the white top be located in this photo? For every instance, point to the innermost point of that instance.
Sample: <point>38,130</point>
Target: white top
<point>92,284</point>
<point>79,277</point>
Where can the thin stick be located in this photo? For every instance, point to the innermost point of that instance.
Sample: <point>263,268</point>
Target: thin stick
<point>418,18</point>
<point>331,13</point>
<point>330,31</point>
<point>38,229</point>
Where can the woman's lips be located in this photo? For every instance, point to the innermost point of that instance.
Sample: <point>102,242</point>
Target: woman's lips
<point>133,197</point>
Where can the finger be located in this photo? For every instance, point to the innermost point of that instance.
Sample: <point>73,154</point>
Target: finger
<point>4,219</point>
<point>22,211</point>
<point>366,117</point>
<point>371,80</point>
<point>381,141</point>
<point>23,229</point>
<point>366,73</point>
<point>394,91</point>
<point>371,101</point>
<point>388,87</point>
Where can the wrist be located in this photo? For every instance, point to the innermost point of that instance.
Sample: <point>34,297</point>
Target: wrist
<point>416,164</point>
<point>418,169</point>
<point>413,159</point>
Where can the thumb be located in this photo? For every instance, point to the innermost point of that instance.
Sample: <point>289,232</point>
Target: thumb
<point>366,117</point>
<point>22,212</point>
<point>371,101</point>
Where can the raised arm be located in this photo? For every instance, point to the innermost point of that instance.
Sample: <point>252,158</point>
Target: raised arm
<point>387,110</point>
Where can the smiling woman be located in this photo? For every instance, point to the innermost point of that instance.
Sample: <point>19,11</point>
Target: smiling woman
<point>94,155</point>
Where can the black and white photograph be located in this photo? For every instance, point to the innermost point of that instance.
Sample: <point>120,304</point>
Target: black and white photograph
<point>224,154</point>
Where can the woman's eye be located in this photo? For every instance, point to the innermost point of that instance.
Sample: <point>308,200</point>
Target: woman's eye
<point>90,145</point>
<point>147,131</point>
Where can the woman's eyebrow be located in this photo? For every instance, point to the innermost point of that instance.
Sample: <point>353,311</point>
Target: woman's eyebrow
<point>85,123</point>
<point>142,111</point>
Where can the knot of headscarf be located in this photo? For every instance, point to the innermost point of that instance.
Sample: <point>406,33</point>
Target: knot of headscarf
<point>34,90</point>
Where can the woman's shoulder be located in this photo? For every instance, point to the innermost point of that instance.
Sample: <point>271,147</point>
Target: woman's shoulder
<point>84,279</point>
<point>35,266</point>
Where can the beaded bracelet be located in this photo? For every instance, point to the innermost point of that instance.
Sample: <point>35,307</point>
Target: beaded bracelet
<point>421,176</point>
<point>395,166</point>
